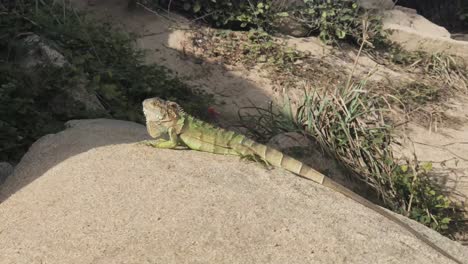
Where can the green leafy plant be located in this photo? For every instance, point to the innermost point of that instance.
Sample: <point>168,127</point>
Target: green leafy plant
<point>339,20</point>
<point>25,109</point>
<point>424,201</point>
<point>225,13</point>
<point>331,20</point>
<point>100,57</point>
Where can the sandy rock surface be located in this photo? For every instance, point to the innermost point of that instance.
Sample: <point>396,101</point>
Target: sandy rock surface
<point>90,195</point>
<point>407,18</point>
<point>376,4</point>
<point>414,32</point>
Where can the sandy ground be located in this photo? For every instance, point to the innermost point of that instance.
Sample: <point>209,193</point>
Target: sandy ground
<point>90,195</point>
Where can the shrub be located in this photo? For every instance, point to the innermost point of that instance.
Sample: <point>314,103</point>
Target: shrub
<point>338,20</point>
<point>98,55</point>
<point>331,20</point>
<point>225,13</point>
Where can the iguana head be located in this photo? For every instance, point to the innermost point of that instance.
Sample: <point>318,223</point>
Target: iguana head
<point>160,111</point>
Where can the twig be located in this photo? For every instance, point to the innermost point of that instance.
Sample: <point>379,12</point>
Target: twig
<point>453,143</point>
<point>153,34</point>
<point>410,202</point>
<point>443,147</point>
<point>364,40</point>
<point>201,17</point>
<point>156,13</point>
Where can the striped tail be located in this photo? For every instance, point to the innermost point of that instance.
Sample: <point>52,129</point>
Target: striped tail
<point>281,160</point>
<point>278,159</point>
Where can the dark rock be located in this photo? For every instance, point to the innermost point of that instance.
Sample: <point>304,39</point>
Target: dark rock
<point>287,25</point>
<point>5,170</point>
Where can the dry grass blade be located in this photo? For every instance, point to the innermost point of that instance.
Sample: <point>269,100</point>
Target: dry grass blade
<point>339,122</point>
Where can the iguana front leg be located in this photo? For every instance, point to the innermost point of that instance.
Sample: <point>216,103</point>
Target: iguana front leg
<point>163,143</point>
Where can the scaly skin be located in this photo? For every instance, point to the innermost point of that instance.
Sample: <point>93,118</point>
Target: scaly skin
<point>167,119</point>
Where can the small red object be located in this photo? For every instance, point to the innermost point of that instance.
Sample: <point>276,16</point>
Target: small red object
<point>212,112</point>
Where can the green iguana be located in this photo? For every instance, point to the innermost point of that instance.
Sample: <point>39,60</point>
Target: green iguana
<point>166,119</point>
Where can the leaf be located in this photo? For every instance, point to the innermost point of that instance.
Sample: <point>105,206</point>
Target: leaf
<point>187,6</point>
<point>310,11</point>
<point>196,7</point>
<point>446,220</point>
<point>282,14</point>
<point>260,5</point>
<point>346,18</point>
<point>404,168</point>
<point>427,166</point>
<point>340,34</point>
<point>425,219</point>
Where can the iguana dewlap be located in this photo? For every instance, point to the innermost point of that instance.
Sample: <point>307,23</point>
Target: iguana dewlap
<point>171,126</point>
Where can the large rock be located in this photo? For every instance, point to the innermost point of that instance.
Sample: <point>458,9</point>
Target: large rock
<point>72,101</point>
<point>38,52</point>
<point>414,32</point>
<point>288,25</point>
<point>401,18</point>
<point>5,170</point>
<point>89,195</point>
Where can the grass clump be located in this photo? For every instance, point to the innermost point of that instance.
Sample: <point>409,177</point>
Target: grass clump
<point>349,125</point>
<point>436,77</point>
<point>415,95</point>
<point>448,69</point>
<point>100,59</point>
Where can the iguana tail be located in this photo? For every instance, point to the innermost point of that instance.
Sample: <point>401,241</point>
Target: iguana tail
<point>278,159</point>
<point>281,160</point>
